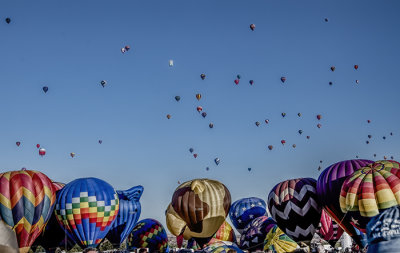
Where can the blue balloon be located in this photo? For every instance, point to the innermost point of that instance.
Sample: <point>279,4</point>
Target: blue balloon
<point>45,89</point>
<point>383,231</point>
<point>148,233</point>
<point>243,211</point>
<point>128,215</point>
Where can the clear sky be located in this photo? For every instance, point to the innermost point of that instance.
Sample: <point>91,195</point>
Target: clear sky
<point>70,46</point>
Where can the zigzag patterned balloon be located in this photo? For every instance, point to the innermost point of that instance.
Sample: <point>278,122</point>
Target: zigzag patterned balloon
<point>128,214</point>
<point>150,234</point>
<point>86,208</point>
<point>294,206</point>
<point>27,200</point>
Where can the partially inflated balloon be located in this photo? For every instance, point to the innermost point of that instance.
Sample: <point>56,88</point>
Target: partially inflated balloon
<point>86,208</point>
<point>369,191</point>
<point>222,247</point>
<point>128,214</point>
<point>294,206</point>
<point>148,233</point>
<point>203,205</point>
<point>254,233</point>
<point>27,202</point>
<point>243,211</point>
<point>279,242</point>
<point>328,190</point>
<point>328,229</point>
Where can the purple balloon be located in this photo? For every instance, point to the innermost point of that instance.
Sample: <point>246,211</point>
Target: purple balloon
<point>329,185</point>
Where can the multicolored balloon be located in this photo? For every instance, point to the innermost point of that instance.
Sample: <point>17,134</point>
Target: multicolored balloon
<point>294,206</point>
<point>369,191</point>
<point>27,202</point>
<point>328,229</point>
<point>128,214</point>
<point>222,247</point>
<point>148,233</point>
<point>279,242</point>
<point>329,185</point>
<point>244,210</point>
<point>224,233</point>
<point>254,233</point>
<point>86,208</point>
<point>201,205</point>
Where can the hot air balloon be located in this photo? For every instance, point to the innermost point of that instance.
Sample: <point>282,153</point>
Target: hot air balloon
<point>236,81</point>
<point>374,155</point>
<point>384,137</point>
<point>299,114</point>
<point>103,83</point>
<point>45,89</point>
<point>279,242</point>
<point>330,83</point>
<point>355,67</point>
<point>283,142</point>
<point>257,123</point>
<point>391,134</point>
<point>383,233</point>
<point>254,233</point>
<point>171,63</point>
<point>367,142</point>
<point>52,235</point>
<point>42,152</point>
<point>326,20</point>
<point>128,214</point>
<point>244,210</point>
<point>72,154</point>
<point>199,108</point>
<point>203,76</point>
<point>370,190</point>
<point>37,145</point>
<point>283,114</point>
<point>266,121</point>
<point>329,186</point>
<point>217,161</point>
<point>18,143</point>
<point>148,233</point>
<point>204,114</point>
<point>100,141</point>
<point>369,136</point>
<point>249,169</point>
<point>300,131</point>
<point>211,125</point>
<point>224,233</point>
<point>319,116</point>
<point>191,150</point>
<point>97,203</point>
<point>368,121</point>
<point>308,137</point>
<point>294,145</point>
<point>8,20</point>
<point>319,125</point>
<point>198,96</point>
<point>123,50</point>
<point>207,168</point>
<point>333,68</point>
<point>294,206</point>
<point>127,48</point>
<point>222,247</point>
<point>238,77</point>
<point>357,81</point>
<point>168,116</point>
<point>251,82</point>
<point>177,98</point>
<point>198,208</point>
<point>27,201</point>
<point>252,27</point>
<point>270,147</point>
<point>195,155</point>
<point>283,79</point>
<point>328,229</point>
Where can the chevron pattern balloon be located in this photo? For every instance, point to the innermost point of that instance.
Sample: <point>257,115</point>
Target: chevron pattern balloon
<point>294,206</point>
<point>27,200</point>
<point>86,209</point>
<point>370,190</point>
<point>128,214</point>
<point>148,233</point>
<point>252,238</point>
<point>243,211</point>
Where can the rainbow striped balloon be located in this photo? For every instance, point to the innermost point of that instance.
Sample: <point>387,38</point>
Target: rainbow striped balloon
<point>86,209</point>
<point>370,190</point>
<point>27,201</point>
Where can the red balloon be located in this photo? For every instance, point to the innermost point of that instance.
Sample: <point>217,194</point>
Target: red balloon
<point>199,108</point>
<point>319,116</point>
<point>283,142</point>
<point>236,81</point>
<point>38,145</point>
<point>18,143</point>
<point>195,155</point>
<point>356,67</point>
<point>42,151</point>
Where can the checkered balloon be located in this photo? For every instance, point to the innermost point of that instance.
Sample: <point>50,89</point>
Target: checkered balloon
<point>86,208</point>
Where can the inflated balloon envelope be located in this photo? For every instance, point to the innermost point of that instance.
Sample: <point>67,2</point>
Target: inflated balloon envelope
<point>198,208</point>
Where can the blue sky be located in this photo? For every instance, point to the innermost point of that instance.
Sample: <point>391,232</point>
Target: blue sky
<point>70,46</point>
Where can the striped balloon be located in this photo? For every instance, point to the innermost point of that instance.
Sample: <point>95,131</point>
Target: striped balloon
<point>128,214</point>
<point>328,229</point>
<point>27,201</point>
<point>148,233</point>
<point>86,209</point>
<point>370,190</point>
<point>294,206</point>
